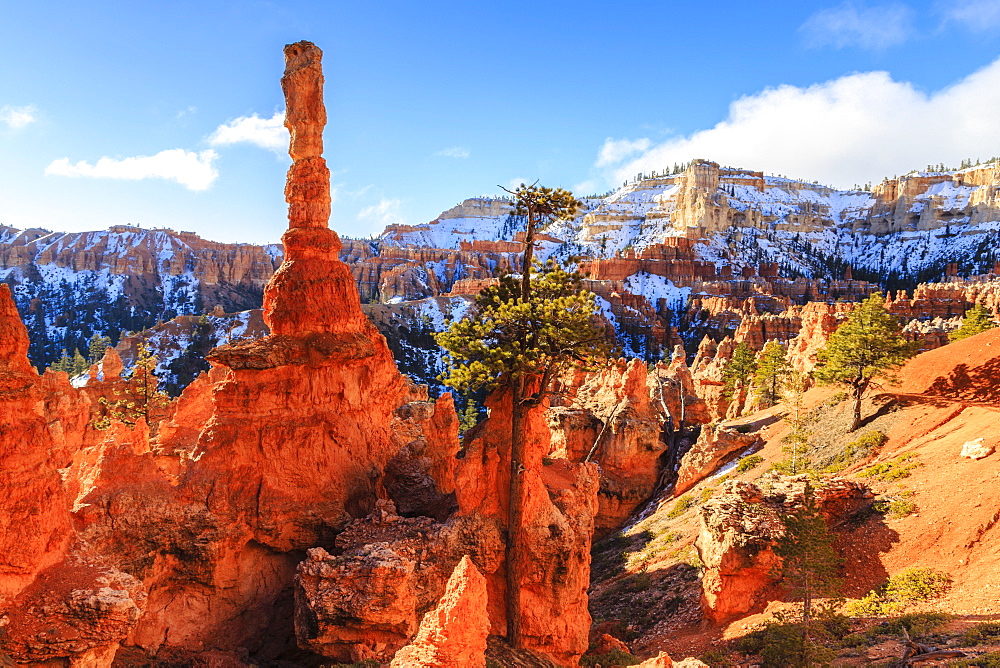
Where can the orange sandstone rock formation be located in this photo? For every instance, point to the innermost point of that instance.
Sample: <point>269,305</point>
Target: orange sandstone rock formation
<point>298,297</point>
<point>714,446</point>
<point>609,416</point>
<point>739,528</point>
<point>452,635</point>
<point>34,510</point>
<point>559,509</point>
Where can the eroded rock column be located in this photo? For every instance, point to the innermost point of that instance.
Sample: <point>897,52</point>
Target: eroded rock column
<point>298,299</point>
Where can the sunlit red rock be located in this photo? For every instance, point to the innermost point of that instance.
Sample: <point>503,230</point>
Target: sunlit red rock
<point>453,633</point>
<point>34,507</point>
<point>560,502</point>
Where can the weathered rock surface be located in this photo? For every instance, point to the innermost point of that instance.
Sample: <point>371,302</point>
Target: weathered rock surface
<point>976,449</point>
<point>609,416</point>
<point>367,602</point>
<point>453,634</point>
<point>560,502</point>
<point>77,610</point>
<point>34,511</point>
<point>739,527</point>
<point>716,444</point>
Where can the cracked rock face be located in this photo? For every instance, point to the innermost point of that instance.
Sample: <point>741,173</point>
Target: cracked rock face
<point>739,528</point>
<point>453,633</point>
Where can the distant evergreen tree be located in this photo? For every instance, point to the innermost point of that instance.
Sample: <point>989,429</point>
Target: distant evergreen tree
<point>185,367</point>
<point>739,370</point>
<point>977,319</point>
<point>772,370</point>
<point>64,363</point>
<point>78,365</point>
<point>796,441</point>
<point>96,347</point>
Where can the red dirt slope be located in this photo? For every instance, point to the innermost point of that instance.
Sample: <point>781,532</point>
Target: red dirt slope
<point>967,370</point>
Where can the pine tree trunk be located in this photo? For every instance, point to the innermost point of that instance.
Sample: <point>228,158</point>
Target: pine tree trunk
<point>515,512</point>
<point>857,409</point>
<point>529,253</point>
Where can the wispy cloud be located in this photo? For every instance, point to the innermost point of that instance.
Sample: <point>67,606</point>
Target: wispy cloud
<point>615,150</point>
<point>195,171</point>
<point>875,27</point>
<point>454,152</point>
<point>16,118</point>
<point>976,15</point>
<point>386,212</point>
<point>269,133</point>
<point>854,129</point>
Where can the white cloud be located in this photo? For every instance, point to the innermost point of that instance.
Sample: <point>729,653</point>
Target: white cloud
<point>977,15</point>
<point>850,24</point>
<point>195,171</point>
<point>386,212</point>
<point>454,152</point>
<point>854,129</point>
<point>16,118</point>
<point>615,150</point>
<point>269,133</point>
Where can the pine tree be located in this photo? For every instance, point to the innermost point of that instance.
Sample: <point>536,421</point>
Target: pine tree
<point>810,566</point>
<point>139,398</point>
<point>977,320</point>
<point>186,366</point>
<point>96,347</point>
<point>868,344</point>
<point>469,417</point>
<point>796,440</point>
<point>64,363</point>
<point>772,370</point>
<point>78,365</point>
<point>521,333</point>
<point>739,370</point>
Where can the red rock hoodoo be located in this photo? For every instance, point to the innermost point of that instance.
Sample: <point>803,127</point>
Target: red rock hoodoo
<point>454,633</point>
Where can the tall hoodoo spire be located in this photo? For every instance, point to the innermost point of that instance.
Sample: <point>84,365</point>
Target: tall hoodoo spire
<point>312,292</point>
<point>308,187</point>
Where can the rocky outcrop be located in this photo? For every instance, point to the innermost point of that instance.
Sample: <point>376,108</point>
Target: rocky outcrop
<point>34,511</point>
<point>454,633</point>
<point>74,609</point>
<point>715,445</point>
<point>609,416</point>
<point>738,530</point>
<point>275,452</point>
<point>367,602</point>
<point>736,540</point>
<point>560,502</point>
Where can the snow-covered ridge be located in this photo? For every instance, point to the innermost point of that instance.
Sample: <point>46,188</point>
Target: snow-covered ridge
<point>906,227</point>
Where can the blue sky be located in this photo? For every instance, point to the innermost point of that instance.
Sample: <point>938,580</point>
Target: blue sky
<point>167,114</point>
